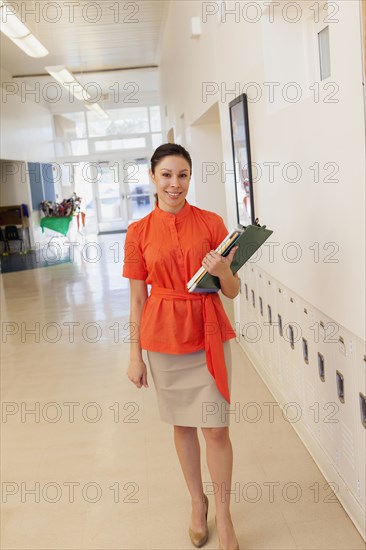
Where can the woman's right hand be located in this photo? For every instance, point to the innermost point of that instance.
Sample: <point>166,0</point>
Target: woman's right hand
<point>137,373</point>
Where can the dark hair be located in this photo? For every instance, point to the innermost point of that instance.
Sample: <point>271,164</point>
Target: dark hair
<point>169,150</point>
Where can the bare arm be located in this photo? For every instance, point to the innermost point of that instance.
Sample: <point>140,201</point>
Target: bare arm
<point>137,369</point>
<point>230,285</point>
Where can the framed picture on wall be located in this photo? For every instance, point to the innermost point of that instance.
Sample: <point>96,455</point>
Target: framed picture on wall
<point>239,124</point>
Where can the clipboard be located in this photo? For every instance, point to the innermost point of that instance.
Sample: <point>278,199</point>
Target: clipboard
<point>248,239</point>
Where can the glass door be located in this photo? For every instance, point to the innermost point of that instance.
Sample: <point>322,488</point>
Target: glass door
<point>139,191</point>
<point>110,196</point>
<point>123,193</point>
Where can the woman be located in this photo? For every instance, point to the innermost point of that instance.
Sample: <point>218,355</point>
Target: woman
<point>186,335</point>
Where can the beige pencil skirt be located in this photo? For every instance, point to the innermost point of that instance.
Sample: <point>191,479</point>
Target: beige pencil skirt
<point>186,391</point>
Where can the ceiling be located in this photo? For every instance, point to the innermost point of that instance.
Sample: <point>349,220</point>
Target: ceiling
<point>124,35</point>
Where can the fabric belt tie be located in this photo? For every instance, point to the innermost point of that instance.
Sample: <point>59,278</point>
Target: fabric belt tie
<point>215,357</point>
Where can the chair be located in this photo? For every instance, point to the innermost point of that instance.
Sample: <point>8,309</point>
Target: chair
<point>5,244</point>
<point>12,234</point>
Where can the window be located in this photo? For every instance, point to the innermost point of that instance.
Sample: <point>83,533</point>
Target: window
<point>115,144</point>
<point>134,120</point>
<point>125,128</point>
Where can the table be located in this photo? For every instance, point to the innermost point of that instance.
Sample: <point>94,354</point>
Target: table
<point>58,224</point>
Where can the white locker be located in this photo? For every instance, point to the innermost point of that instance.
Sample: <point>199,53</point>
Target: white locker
<point>283,345</point>
<point>244,296</point>
<point>250,329</point>
<point>319,366</point>
<point>253,294</point>
<point>261,312</point>
<point>360,397</point>
<point>265,327</point>
<point>243,304</point>
<point>310,370</point>
<point>272,336</point>
<point>328,405</point>
<point>293,338</point>
<point>345,383</point>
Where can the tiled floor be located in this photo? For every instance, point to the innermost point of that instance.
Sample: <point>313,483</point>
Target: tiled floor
<point>86,461</point>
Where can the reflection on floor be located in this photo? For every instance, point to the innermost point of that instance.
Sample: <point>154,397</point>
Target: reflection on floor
<point>30,260</point>
<point>86,461</point>
<point>112,232</point>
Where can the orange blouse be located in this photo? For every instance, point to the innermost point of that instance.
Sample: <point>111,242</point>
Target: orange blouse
<point>165,250</point>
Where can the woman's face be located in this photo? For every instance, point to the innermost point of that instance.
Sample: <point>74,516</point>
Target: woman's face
<point>171,178</point>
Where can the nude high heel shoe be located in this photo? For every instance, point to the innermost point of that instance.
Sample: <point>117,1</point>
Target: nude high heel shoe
<point>236,547</point>
<point>199,538</point>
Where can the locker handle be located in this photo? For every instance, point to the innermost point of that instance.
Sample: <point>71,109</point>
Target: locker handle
<point>280,328</point>
<point>321,367</point>
<point>261,305</point>
<point>291,336</point>
<point>305,350</point>
<point>340,386</point>
<point>362,409</point>
<point>269,311</point>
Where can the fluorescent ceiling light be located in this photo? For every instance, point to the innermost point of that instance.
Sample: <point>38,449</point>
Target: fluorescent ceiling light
<point>13,28</point>
<point>64,77</point>
<point>67,79</point>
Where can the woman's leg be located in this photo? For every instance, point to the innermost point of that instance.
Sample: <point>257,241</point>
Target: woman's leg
<point>188,450</point>
<point>220,463</point>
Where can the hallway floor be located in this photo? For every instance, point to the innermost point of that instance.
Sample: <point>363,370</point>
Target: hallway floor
<point>86,461</point>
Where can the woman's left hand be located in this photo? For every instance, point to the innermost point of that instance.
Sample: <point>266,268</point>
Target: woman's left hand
<point>218,265</point>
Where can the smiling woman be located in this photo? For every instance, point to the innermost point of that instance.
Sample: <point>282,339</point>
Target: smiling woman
<point>171,175</point>
<point>186,336</point>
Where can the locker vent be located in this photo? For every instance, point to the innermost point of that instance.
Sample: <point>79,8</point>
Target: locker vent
<point>347,444</point>
<point>328,427</point>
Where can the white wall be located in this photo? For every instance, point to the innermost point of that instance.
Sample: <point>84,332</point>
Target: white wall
<point>231,54</point>
<point>14,185</point>
<point>204,137</point>
<point>26,126</point>
<point>26,135</point>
